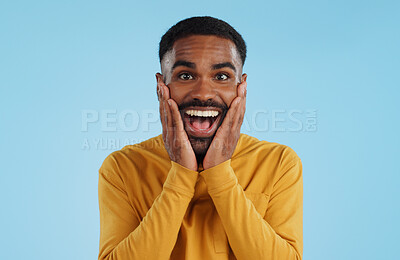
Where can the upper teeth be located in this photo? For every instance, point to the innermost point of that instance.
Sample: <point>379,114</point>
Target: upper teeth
<point>208,113</point>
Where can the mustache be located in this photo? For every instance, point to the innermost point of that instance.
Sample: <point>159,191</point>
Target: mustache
<point>200,103</point>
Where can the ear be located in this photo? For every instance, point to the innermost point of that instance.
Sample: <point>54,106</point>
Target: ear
<point>244,77</point>
<point>159,77</point>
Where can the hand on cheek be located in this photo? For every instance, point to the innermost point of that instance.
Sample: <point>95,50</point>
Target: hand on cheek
<point>175,138</point>
<point>227,136</point>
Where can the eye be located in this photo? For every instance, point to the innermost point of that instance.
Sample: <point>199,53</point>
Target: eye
<point>222,76</point>
<point>185,76</point>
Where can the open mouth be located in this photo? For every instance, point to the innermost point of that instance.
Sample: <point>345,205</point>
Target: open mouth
<point>201,121</point>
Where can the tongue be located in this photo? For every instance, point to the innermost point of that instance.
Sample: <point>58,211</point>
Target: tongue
<point>201,123</point>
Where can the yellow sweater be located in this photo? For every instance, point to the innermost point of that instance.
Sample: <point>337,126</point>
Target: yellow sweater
<point>249,207</point>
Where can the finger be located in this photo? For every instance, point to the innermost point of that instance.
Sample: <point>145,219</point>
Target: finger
<point>176,115</point>
<point>161,104</point>
<point>158,92</point>
<point>168,118</point>
<point>160,100</point>
<point>163,120</point>
<point>159,84</point>
<point>242,89</point>
<point>163,117</point>
<point>239,115</point>
<point>228,122</point>
<point>164,90</point>
<point>163,110</point>
<point>235,113</point>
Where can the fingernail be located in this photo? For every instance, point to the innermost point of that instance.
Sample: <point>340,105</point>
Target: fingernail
<point>169,102</point>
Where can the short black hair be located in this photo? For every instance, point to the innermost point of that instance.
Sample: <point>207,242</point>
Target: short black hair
<point>201,25</point>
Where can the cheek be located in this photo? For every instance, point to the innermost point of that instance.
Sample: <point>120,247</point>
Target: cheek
<point>176,93</point>
<point>182,94</point>
<point>228,95</point>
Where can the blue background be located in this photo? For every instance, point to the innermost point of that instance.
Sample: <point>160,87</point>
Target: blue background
<point>62,59</point>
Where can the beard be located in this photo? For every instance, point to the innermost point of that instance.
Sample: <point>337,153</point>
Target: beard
<point>200,145</point>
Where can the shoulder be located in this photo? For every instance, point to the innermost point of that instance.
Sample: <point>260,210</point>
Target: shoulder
<point>260,164</point>
<point>283,154</point>
<point>134,155</point>
<point>281,159</point>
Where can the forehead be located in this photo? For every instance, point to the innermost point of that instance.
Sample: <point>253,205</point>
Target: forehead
<point>208,49</point>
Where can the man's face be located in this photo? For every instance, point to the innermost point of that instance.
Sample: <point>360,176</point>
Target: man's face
<point>202,74</point>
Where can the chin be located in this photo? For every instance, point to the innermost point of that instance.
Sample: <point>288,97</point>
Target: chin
<point>200,146</point>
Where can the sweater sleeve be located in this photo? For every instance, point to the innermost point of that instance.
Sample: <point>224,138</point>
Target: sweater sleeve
<point>123,236</point>
<point>278,235</point>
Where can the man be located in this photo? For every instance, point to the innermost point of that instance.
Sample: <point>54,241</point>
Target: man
<point>201,190</point>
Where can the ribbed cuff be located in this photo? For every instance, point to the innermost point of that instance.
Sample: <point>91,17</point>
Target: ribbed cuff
<point>219,177</point>
<point>181,179</point>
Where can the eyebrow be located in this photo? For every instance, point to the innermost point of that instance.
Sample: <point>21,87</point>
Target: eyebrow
<point>223,65</point>
<point>184,63</point>
<point>193,66</point>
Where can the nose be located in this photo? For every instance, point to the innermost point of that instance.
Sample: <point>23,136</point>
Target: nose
<point>203,90</point>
